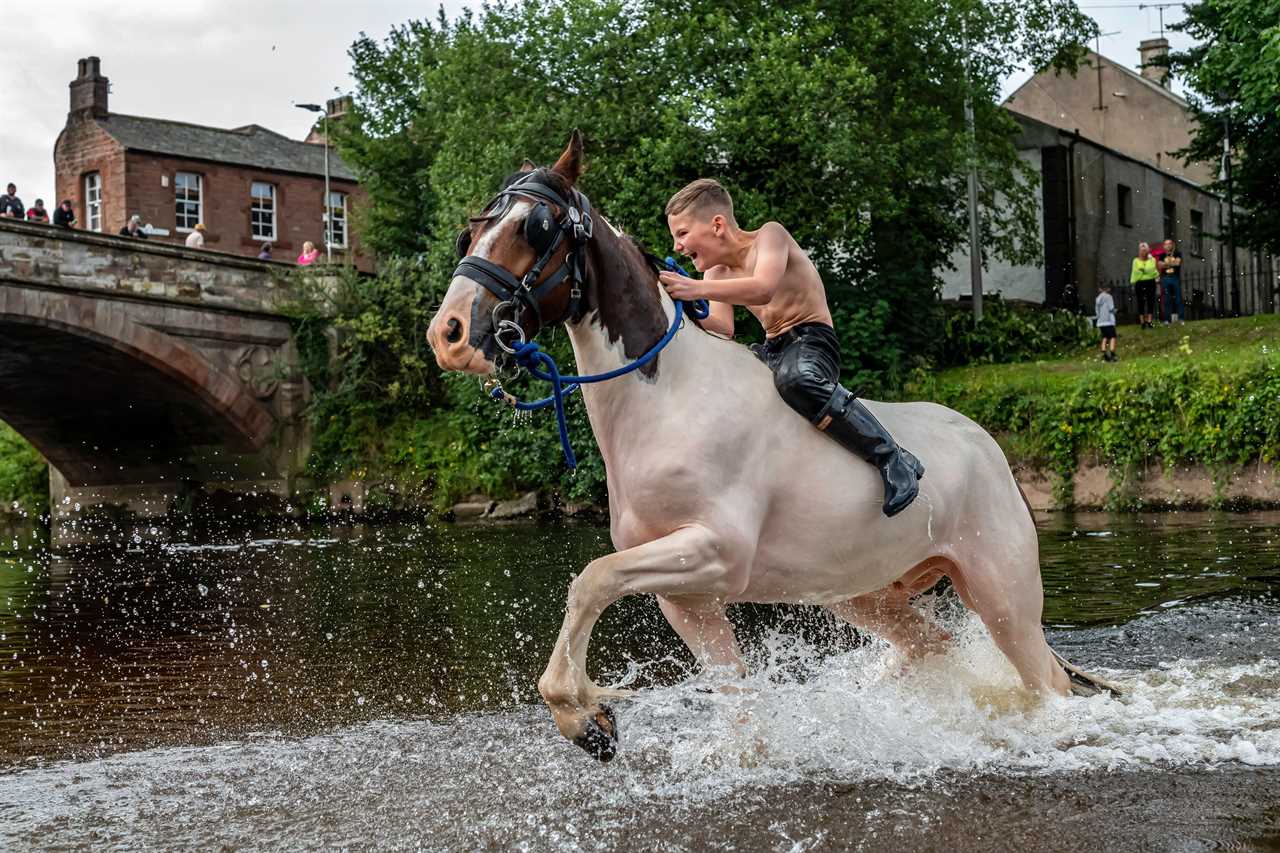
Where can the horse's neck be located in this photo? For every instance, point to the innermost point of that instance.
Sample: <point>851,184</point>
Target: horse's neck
<point>606,339</point>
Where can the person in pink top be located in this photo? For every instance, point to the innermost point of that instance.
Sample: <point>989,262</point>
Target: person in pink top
<point>309,254</point>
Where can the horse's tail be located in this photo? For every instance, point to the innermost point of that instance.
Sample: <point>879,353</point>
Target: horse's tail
<point>1082,683</point>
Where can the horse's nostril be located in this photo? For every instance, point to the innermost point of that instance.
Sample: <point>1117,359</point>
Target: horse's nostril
<point>455,331</point>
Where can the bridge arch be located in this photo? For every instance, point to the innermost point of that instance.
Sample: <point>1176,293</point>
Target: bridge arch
<point>107,399</point>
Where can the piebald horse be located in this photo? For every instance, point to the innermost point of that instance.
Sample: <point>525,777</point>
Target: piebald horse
<point>718,492</point>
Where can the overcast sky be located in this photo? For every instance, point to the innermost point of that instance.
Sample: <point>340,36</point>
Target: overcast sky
<point>236,62</point>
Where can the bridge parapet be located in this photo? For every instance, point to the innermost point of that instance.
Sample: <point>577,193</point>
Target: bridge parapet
<point>143,370</point>
<point>122,266</point>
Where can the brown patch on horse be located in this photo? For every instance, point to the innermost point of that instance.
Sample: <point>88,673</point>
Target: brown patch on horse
<point>619,286</point>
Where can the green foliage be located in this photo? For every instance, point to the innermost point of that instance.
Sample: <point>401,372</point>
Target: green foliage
<point>843,122</point>
<point>1010,333</point>
<point>1217,406</point>
<point>1234,69</point>
<point>24,475</point>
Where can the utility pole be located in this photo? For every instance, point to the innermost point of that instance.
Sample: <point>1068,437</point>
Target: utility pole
<point>1231,214</point>
<point>975,225</point>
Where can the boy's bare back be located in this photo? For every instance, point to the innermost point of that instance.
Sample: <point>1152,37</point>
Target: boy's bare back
<point>799,296</point>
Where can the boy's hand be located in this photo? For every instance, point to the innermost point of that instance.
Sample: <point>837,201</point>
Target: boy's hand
<point>679,286</point>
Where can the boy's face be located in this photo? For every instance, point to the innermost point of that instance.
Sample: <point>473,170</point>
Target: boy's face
<point>698,238</point>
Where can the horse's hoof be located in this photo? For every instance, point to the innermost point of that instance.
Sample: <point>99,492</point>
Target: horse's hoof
<point>600,740</point>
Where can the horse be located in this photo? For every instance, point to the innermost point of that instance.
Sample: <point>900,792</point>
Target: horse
<point>718,492</point>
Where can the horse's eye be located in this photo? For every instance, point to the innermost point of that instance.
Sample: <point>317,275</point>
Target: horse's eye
<point>463,243</point>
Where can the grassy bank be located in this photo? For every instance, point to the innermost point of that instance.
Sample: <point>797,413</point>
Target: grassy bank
<point>1205,392</point>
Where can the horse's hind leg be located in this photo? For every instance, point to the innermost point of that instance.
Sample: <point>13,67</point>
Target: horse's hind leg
<point>888,613</point>
<point>1010,602</point>
<point>702,624</point>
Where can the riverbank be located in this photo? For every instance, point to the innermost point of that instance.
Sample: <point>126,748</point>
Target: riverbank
<point>1189,417</point>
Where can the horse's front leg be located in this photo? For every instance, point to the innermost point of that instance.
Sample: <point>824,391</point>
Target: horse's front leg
<point>693,560</point>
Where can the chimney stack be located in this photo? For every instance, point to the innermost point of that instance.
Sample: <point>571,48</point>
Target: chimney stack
<point>338,107</point>
<point>89,90</point>
<point>1152,51</point>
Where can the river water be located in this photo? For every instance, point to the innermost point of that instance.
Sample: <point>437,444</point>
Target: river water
<point>375,687</point>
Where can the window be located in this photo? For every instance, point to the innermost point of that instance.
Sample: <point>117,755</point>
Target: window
<point>1197,233</point>
<point>187,205</point>
<point>1170,221</point>
<point>1124,205</point>
<point>262,211</point>
<point>93,201</point>
<point>338,220</point>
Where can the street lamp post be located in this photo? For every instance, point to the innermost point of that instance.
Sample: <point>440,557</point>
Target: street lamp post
<point>324,131</point>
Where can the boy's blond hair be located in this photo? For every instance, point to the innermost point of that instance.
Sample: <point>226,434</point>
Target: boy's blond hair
<point>704,198</point>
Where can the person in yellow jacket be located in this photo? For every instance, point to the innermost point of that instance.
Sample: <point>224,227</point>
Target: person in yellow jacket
<point>1143,278</point>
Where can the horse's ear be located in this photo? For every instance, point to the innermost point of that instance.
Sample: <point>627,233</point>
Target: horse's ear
<point>527,166</point>
<point>570,163</point>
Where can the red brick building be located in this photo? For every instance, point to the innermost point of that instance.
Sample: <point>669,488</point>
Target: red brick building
<point>247,185</point>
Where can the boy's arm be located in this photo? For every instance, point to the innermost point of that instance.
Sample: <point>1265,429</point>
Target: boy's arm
<point>720,319</point>
<point>755,289</point>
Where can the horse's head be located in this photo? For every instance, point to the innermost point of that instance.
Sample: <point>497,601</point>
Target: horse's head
<point>521,266</point>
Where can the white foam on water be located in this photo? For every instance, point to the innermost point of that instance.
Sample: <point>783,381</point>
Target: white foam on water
<point>863,715</point>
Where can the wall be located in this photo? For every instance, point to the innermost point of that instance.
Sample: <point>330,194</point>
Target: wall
<point>1144,121</point>
<point>84,147</point>
<point>226,202</point>
<point>1020,282</point>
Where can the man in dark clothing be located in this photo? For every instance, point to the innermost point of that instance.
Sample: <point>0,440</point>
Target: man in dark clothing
<point>134,228</point>
<point>10,204</point>
<point>64,215</point>
<point>1170,264</point>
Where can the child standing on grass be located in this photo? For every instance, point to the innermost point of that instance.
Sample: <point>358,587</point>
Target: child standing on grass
<point>1105,308</point>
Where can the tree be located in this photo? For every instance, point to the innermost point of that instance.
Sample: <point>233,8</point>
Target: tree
<point>842,120</point>
<point>1234,72</point>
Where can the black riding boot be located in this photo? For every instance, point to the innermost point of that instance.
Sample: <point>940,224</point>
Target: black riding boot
<point>847,421</point>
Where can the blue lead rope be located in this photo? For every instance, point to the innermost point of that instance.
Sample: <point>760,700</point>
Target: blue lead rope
<point>539,363</point>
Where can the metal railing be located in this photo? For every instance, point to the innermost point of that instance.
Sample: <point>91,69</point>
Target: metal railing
<point>1206,295</point>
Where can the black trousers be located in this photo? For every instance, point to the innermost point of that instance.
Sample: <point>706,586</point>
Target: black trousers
<point>805,361</point>
<point>1146,291</point>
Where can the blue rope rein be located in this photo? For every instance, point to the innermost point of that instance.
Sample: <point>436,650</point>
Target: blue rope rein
<point>539,363</point>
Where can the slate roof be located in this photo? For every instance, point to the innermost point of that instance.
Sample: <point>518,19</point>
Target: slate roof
<point>251,145</point>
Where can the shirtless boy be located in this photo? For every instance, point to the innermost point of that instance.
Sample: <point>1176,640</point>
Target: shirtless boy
<point>766,271</point>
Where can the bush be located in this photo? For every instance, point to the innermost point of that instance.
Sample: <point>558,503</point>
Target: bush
<point>1220,416</point>
<point>1009,333</point>
<point>24,475</point>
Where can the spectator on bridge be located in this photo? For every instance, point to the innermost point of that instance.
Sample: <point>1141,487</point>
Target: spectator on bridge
<point>65,215</point>
<point>264,254</point>
<point>195,240</point>
<point>10,204</point>
<point>134,228</point>
<point>309,254</point>
<point>1143,278</point>
<point>37,213</point>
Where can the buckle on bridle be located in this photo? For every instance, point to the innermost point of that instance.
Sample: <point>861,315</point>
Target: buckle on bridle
<point>581,224</point>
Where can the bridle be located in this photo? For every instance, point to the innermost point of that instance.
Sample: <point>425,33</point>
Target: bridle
<point>545,234</point>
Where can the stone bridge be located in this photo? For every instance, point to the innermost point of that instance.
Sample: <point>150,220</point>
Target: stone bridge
<point>141,369</point>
